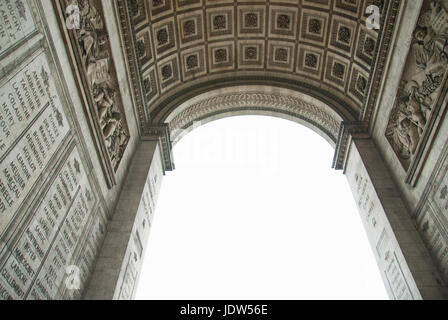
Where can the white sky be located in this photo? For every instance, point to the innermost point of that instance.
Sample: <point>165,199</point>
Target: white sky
<point>254,210</point>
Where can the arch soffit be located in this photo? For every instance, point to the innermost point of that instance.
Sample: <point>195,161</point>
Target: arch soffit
<point>254,100</point>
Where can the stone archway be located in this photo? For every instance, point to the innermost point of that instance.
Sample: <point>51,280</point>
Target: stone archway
<point>259,180</point>
<point>108,101</point>
<point>387,223</point>
<point>261,100</point>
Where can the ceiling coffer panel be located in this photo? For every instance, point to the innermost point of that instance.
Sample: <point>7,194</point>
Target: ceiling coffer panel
<point>324,44</point>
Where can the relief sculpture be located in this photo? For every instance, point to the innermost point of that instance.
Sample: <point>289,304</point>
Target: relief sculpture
<point>421,84</point>
<point>91,42</point>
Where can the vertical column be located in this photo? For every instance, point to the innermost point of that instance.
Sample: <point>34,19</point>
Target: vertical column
<point>118,264</point>
<point>405,264</point>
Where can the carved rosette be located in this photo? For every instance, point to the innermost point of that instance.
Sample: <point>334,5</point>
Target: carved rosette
<point>422,89</point>
<point>92,58</point>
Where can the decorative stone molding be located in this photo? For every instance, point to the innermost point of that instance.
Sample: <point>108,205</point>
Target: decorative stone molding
<point>293,106</point>
<point>380,50</point>
<point>347,131</point>
<point>143,84</point>
<point>161,133</point>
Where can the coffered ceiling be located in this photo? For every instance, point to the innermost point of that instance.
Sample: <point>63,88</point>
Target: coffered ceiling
<point>177,48</point>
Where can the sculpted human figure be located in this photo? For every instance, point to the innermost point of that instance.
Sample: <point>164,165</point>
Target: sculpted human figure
<point>91,43</point>
<point>111,124</point>
<point>90,18</point>
<point>415,114</point>
<point>117,138</point>
<point>105,99</point>
<point>408,125</point>
<point>431,39</point>
<point>407,134</point>
<point>402,136</point>
<point>424,73</point>
<point>98,72</point>
<point>92,39</point>
<point>118,144</point>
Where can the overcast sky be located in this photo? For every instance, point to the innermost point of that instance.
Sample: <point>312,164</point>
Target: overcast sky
<point>253,210</point>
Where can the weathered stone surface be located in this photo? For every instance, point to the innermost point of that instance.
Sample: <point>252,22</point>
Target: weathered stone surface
<point>48,243</point>
<point>125,243</point>
<point>200,61</point>
<point>34,126</point>
<point>389,227</point>
<point>16,23</point>
<point>422,85</point>
<point>104,104</point>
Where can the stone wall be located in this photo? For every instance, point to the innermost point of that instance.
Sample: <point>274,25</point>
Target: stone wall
<point>71,154</point>
<point>118,267</point>
<point>55,200</point>
<point>410,127</point>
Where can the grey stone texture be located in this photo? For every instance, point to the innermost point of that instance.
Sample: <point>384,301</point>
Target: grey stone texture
<point>74,220</point>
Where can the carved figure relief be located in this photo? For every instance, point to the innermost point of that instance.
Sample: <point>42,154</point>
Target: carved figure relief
<point>96,66</point>
<point>420,87</point>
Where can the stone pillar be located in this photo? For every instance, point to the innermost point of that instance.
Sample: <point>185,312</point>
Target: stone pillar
<point>405,264</point>
<point>118,264</point>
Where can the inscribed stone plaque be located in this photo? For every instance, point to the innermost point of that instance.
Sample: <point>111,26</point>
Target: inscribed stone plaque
<point>396,280</point>
<point>37,264</point>
<point>33,126</point>
<point>379,231</point>
<point>130,276</point>
<point>16,23</point>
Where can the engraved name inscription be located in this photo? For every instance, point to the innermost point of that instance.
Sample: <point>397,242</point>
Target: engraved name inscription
<point>33,126</point>
<point>35,267</point>
<point>16,23</point>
